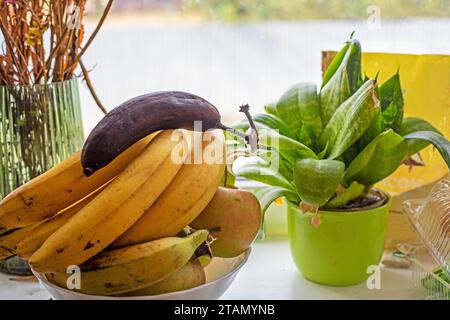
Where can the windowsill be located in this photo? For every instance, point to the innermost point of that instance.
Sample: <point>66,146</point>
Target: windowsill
<point>269,274</point>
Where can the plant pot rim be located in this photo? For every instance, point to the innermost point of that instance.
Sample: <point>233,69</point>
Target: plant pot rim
<point>386,203</point>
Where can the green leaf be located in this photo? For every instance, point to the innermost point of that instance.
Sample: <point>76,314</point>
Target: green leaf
<point>373,131</point>
<point>335,64</point>
<point>341,79</point>
<point>288,148</point>
<point>378,159</point>
<point>389,116</point>
<point>228,180</point>
<point>317,180</point>
<point>266,121</point>
<point>283,168</point>
<point>410,125</point>
<point>299,107</point>
<point>242,126</point>
<point>353,191</point>
<point>272,122</point>
<point>436,139</point>
<point>391,103</point>
<point>257,169</point>
<point>353,66</point>
<point>271,108</point>
<point>350,154</point>
<point>307,138</point>
<point>267,195</point>
<point>351,120</point>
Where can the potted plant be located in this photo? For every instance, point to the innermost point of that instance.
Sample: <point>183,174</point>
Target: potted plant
<point>323,150</point>
<point>40,113</point>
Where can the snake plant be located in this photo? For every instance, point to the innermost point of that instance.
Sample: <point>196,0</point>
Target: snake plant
<point>332,144</point>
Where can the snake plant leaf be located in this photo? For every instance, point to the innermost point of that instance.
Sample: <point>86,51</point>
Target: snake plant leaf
<point>351,120</point>
<point>267,195</point>
<point>378,159</point>
<point>389,116</point>
<point>288,148</point>
<point>271,108</point>
<point>299,107</point>
<point>228,180</point>
<point>353,191</point>
<point>391,103</point>
<point>411,125</point>
<point>372,132</point>
<point>283,168</point>
<point>307,138</point>
<point>273,122</point>
<point>341,80</point>
<point>242,126</point>
<point>436,139</point>
<point>317,180</point>
<point>266,121</point>
<point>257,169</point>
<point>350,154</point>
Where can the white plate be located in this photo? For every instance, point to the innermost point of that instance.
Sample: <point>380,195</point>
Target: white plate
<point>220,274</point>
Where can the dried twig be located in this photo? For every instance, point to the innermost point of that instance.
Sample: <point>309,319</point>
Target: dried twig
<point>26,26</point>
<point>91,87</point>
<point>96,30</point>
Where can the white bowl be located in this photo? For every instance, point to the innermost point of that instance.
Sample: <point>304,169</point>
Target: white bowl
<point>220,274</point>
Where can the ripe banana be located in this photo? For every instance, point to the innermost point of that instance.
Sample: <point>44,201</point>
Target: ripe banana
<point>134,267</point>
<point>189,276</point>
<point>184,199</point>
<point>115,209</point>
<point>204,254</point>
<point>205,260</point>
<point>10,239</point>
<point>34,240</point>
<point>58,188</point>
<point>141,116</point>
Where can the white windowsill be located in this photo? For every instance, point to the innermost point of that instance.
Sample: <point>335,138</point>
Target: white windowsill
<point>269,274</point>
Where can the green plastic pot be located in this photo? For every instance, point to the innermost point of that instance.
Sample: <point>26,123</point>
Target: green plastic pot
<point>340,250</point>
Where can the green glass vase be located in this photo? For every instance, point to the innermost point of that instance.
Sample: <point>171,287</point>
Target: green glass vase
<point>40,126</point>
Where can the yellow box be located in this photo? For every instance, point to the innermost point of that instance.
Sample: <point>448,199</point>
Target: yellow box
<point>425,81</point>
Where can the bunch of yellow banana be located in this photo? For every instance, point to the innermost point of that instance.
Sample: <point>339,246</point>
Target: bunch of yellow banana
<point>191,275</point>
<point>134,267</point>
<point>60,187</point>
<point>121,218</point>
<point>114,210</point>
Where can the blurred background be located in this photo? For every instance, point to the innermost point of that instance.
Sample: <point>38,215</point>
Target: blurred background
<point>233,52</point>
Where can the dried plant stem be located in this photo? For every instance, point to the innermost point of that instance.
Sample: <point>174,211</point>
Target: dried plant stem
<point>96,30</point>
<point>91,87</point>
<point>26,59</point>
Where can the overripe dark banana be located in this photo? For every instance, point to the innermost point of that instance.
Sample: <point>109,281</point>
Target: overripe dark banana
<point>140,116</point>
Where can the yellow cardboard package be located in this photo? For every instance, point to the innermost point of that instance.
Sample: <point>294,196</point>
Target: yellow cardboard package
<point>425,81</point>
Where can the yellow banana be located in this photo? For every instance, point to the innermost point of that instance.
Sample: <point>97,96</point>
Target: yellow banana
<point>134,267</point>
<point>34,240</point>
<point>114,210</point>
<point>184,199</point>
<point>189,276</point>
<point>10,239</point>
<point>59,187</point>
<point>204,254</point>
<point>205,260</point>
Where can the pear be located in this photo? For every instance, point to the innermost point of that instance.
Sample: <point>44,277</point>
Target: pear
<point>233,218</point>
